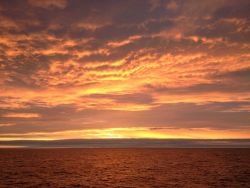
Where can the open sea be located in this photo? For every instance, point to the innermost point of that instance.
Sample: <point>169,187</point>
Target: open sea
<point>143,167</point>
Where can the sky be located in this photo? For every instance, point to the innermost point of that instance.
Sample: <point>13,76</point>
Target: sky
<point>124,69</point>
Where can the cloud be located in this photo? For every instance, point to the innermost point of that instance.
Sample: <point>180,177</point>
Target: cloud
<point>21,115</point>
<point>134,98</point>
<point>223,116</point>
<point>182,64</point>
<point>6,124</point>
<point>239,76</point>
<point>49,3</point>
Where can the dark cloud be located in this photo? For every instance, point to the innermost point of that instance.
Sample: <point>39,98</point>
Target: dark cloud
<point>233,9</point>
<point>135,98</point>
<point>239,76</point>
<point>214,115</point>
<point>132,143</point>
<point>229,82</point>
<point>221,87</point>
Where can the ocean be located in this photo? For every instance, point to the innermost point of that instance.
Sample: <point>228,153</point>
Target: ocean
<point>124,167</point>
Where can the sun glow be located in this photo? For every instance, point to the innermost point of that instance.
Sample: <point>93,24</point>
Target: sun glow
<point>133,132</point>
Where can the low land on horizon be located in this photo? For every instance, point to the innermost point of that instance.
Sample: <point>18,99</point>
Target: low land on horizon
<point>128,143</point>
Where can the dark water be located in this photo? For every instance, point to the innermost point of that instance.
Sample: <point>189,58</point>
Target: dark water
<point>125,168</point>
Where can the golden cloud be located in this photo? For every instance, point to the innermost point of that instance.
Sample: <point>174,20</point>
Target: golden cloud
<point>21,115</point>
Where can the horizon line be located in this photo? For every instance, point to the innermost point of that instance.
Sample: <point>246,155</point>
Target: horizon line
<point>128,143</point>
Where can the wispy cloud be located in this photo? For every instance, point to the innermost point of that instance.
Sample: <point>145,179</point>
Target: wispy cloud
<point>21,115</point>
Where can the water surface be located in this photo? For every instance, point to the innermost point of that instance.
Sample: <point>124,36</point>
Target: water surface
<point>124,167</point>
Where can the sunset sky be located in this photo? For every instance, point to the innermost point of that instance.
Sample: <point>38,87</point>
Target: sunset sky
<point>124,69</point>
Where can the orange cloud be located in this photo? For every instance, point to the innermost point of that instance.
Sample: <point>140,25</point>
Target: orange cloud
<point>21,115</point>
<point>6,124</point>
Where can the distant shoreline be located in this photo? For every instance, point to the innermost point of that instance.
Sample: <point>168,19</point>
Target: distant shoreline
<point>128,143</point>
